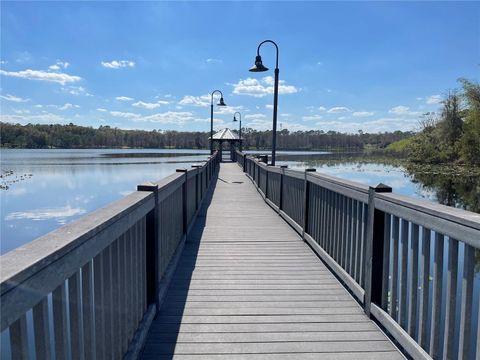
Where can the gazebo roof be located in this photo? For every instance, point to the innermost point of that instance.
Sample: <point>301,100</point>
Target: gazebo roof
<point>225,134</point>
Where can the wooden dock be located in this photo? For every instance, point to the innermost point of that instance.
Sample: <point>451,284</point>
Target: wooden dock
<point>248,287</point>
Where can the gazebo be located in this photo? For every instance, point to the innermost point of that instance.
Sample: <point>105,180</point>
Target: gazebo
<point>225,136</point>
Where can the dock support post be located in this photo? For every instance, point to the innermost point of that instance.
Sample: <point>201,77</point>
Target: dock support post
<point>152,248</point>
<point>306,196</point>
<point>374,256</point>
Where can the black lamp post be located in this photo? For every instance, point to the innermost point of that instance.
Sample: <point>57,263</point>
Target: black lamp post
<point>239,129</point>
<point>220,103</point>
<point>258,67</point>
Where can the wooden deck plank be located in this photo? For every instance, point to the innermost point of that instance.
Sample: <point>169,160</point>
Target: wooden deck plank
<point>247,287</point>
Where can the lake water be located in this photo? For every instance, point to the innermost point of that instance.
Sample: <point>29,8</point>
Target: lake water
<point>42,190</point>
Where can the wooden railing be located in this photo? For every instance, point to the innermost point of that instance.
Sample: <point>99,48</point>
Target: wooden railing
<point>411,263</point>
<point>89,289</point>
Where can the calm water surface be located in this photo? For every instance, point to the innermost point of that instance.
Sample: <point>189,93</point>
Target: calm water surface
<point>49,188</point>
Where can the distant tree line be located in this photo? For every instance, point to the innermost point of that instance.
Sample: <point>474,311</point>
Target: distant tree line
<point>452,135</point>
<point>36,136</point>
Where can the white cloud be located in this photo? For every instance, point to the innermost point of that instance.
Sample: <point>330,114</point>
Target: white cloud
<point>42,75</point>
<point>322,108</point>
<point>169,117</point>
<point>76,90</point>
<point>117,64</point>
<point>122,114</point>
<point>145,105</point>
<point>123,98</point>
<point>59,65</point>
<point>68,106</point>
<point>59,214</point>
<point>262,87</point>
<point>214,61</point>
<point>269,106</point>
<point>400,109</point>
<point>338,109</point>
<point>102,110</point>
<point>13,98</point>
<point>434,99</point>
<point>373,126</point>
<point>255,116</point>
<point>319,63</point>
<point>189,100</point>
<point>37,118</point>
<point>312,117</point>
<point>362,113</point>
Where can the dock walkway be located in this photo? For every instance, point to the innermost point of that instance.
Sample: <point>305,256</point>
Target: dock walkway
<point>247,287</point>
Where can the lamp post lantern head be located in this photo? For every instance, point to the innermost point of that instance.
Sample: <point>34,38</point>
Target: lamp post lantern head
<point>234,118</point>
<point>258,67</point>
<point>221,102</point>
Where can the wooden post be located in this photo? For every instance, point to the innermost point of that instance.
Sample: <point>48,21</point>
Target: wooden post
<point>152,248</point>
<point>184,200</point>
<point>374,256</point>
<point>306,190</point>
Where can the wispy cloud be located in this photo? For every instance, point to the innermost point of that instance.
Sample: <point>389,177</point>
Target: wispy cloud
<point>189,100</point>
<point>76,90</point>
<point>150,106</point>
<point>102,110</point>
<point>36,118</point>
<point>68,106</point>
<point>42,75</point>
<point>216,61</point>
<point>13,98</point>
<point>338,109</point>
<point>169,117</point>
<point>59,65</point>
<point>434,99</point>
<point>312,117</point>
<point>362,113</point>
<point>59,214</point>
<point>118,64</point>
<point>124,98</point>
<point>262,87</point>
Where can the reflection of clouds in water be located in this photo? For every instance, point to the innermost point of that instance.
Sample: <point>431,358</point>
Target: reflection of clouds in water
<point>59,214</point>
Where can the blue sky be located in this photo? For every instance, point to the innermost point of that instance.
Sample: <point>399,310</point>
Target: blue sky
<point>344,66</point>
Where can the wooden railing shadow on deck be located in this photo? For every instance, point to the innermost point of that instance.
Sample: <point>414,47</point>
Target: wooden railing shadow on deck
<point>173,304</point>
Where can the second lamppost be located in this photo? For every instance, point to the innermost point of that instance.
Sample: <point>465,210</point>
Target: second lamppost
<point>239,129</point>
<point>258,67</point>
<point>220,103</point>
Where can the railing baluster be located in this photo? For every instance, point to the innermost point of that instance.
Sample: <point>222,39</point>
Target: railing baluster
<point>116,334</point>
<point>41,330</point>
<point>425,290</point>
<point>449,335</point>
<point>466,304</point>
<point>412,314</point>
<point>99,309</point>
<point>18,339</point>
<point>435,350</point>
<point>60,329</point>
<point>403,281</point>
<point>107,302</point>
<point>87,309</point>
<point>76,329</point>
<point>386,263</point>
<point>395,241</point>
